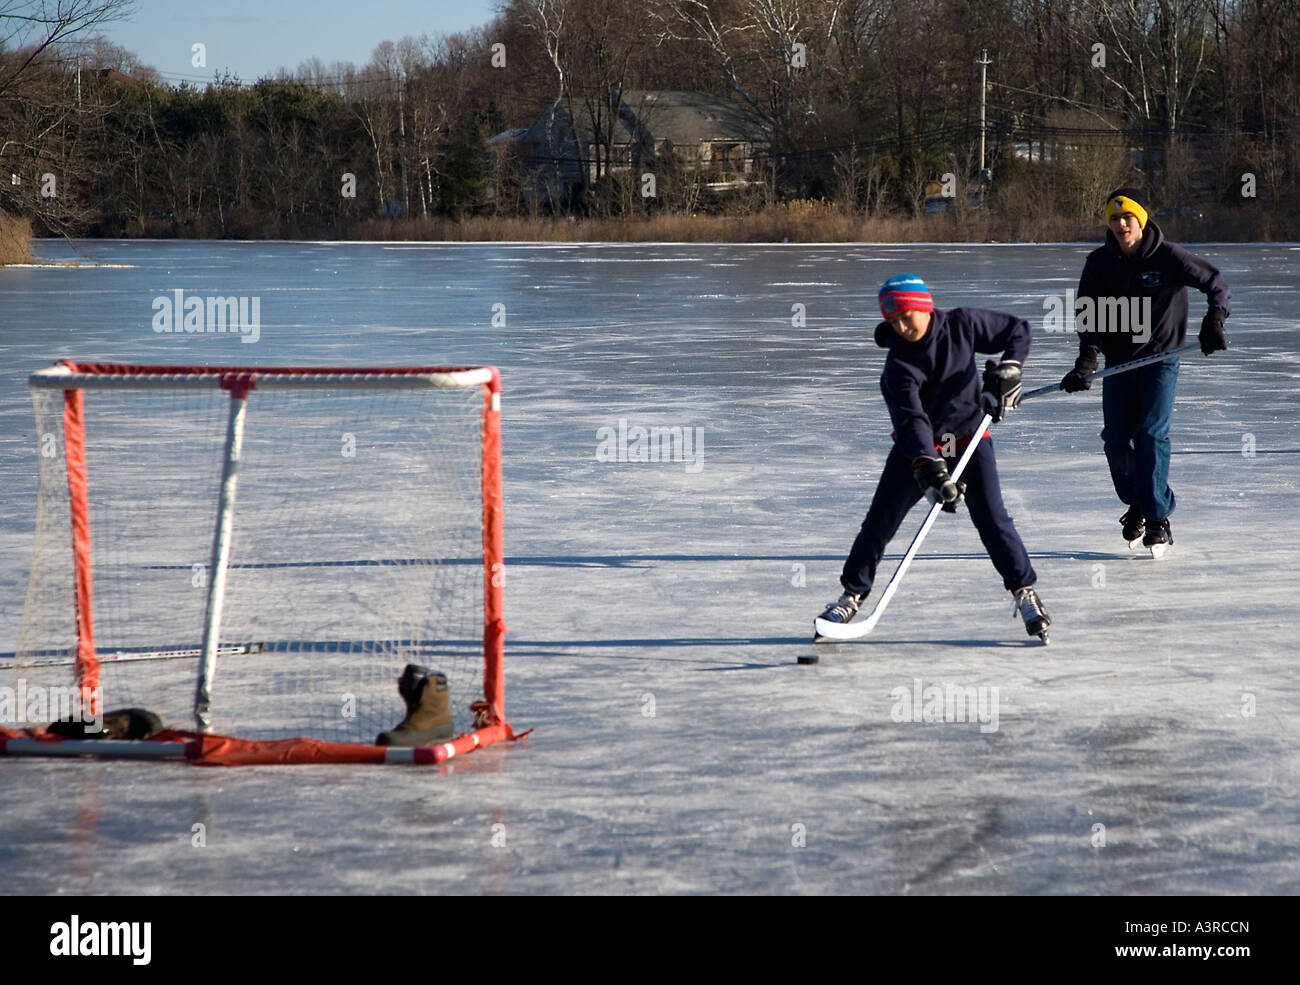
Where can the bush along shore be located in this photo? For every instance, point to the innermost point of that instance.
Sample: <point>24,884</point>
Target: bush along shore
<point>802,221</point>
<point>15,239</point>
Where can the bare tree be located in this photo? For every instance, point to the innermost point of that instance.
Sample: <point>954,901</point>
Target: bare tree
<point>372,93</point>
<point>719,28</point>
<point>1161,47</point>
<point>1088,163</point>
<point>859,180</point>
<point>46,124</point>
<point>545,20</point>
<point>29,30</point>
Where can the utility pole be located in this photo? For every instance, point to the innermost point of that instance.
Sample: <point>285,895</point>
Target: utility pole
<point>984,62</point>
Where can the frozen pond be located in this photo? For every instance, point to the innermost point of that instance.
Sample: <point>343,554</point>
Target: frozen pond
<point>656,609</point>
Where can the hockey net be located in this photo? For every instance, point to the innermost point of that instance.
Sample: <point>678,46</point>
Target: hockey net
<point>257,553</point>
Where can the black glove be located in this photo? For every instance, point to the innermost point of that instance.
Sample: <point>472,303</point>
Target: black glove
<point>932,476</point>
<point>1077,378</point>
<point>1001,388</point>
<point>1212,338</point>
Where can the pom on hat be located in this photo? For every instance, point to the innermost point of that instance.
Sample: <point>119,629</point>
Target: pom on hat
<point>1123,200</point>
<point>905,292</point>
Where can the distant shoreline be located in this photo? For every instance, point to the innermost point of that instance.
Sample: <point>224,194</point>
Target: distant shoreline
<point>795,223</point>
<point>416,243</point>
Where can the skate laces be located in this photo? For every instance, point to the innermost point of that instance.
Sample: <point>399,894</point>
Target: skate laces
<point>1027,603</point>
<point>846,607</point>
<point>1133,518</point>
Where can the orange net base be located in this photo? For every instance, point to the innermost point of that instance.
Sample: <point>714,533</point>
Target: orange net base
<point>202,749</point>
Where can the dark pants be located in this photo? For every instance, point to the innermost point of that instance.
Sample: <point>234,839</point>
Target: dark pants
<point>1136,407</point>
<point>898,492</point>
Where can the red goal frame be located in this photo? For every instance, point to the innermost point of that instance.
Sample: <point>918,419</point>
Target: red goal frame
<point>490,723</point>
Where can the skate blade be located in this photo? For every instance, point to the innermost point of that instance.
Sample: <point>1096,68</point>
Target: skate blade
<point>1037,628</point>
<point>1135,543</point>
<point>1158,551</point>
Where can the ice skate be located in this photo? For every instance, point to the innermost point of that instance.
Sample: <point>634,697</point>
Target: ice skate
<point>1158,538</point>
<point>1135,526</point>
<point>1030,608</point>
<point>840,611</point>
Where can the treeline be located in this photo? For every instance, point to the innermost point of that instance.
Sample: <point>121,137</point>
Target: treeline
<point>868,106</point>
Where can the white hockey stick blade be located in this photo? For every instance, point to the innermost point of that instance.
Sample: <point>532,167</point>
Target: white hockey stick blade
<point>837,631</point>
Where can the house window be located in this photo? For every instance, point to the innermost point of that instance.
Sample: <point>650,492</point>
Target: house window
<point>726,157</point>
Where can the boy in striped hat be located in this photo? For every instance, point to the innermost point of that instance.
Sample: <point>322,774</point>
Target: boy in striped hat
<point>933,392</point>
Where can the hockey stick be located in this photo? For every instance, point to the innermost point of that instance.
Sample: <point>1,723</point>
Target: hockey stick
<point>128,656</point>
<point>823,630</point>
<point>1116,370</point>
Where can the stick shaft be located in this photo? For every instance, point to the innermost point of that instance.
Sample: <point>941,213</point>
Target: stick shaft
<point>1116,370</point>
<point>933,515</point>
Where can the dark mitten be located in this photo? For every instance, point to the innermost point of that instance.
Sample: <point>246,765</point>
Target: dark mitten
<point>1212,338</point>
<point>1077,378</point>
<point>1001,388</point>
<point>932,476</point>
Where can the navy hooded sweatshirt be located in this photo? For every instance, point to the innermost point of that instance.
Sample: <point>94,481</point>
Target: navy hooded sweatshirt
<point>1159,270</point>
<point>932,387</point>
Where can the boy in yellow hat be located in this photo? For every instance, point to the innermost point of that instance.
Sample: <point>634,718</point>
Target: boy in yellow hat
<point>1141,275</point>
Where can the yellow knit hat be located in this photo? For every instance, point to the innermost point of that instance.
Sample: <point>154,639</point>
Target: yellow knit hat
<point>1125,200</point>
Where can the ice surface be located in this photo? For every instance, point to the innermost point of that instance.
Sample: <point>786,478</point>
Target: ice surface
<point>656,609</point>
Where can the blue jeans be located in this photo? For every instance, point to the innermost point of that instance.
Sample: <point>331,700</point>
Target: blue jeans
<point>1136,409</point>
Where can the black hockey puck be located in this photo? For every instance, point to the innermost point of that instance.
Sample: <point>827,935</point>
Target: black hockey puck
<point>809,658</point>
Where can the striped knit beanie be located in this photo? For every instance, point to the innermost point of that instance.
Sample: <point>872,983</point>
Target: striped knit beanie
<point>905,292</point>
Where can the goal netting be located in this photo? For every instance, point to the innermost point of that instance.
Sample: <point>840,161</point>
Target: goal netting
<point>259,552</point>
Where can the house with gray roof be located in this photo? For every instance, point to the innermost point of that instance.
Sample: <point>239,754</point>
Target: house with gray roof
<point>701,132</point>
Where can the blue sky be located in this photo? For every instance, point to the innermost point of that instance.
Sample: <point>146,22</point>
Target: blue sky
<point>253,38</point>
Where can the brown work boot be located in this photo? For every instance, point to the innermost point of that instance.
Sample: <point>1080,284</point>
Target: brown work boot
<point>428,709</point>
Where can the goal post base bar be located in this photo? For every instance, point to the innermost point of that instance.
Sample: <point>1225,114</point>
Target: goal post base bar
<point>220,750</point>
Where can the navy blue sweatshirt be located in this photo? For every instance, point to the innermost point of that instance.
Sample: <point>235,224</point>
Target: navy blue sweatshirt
<point>1159,270</point>
<point>932,387</point>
